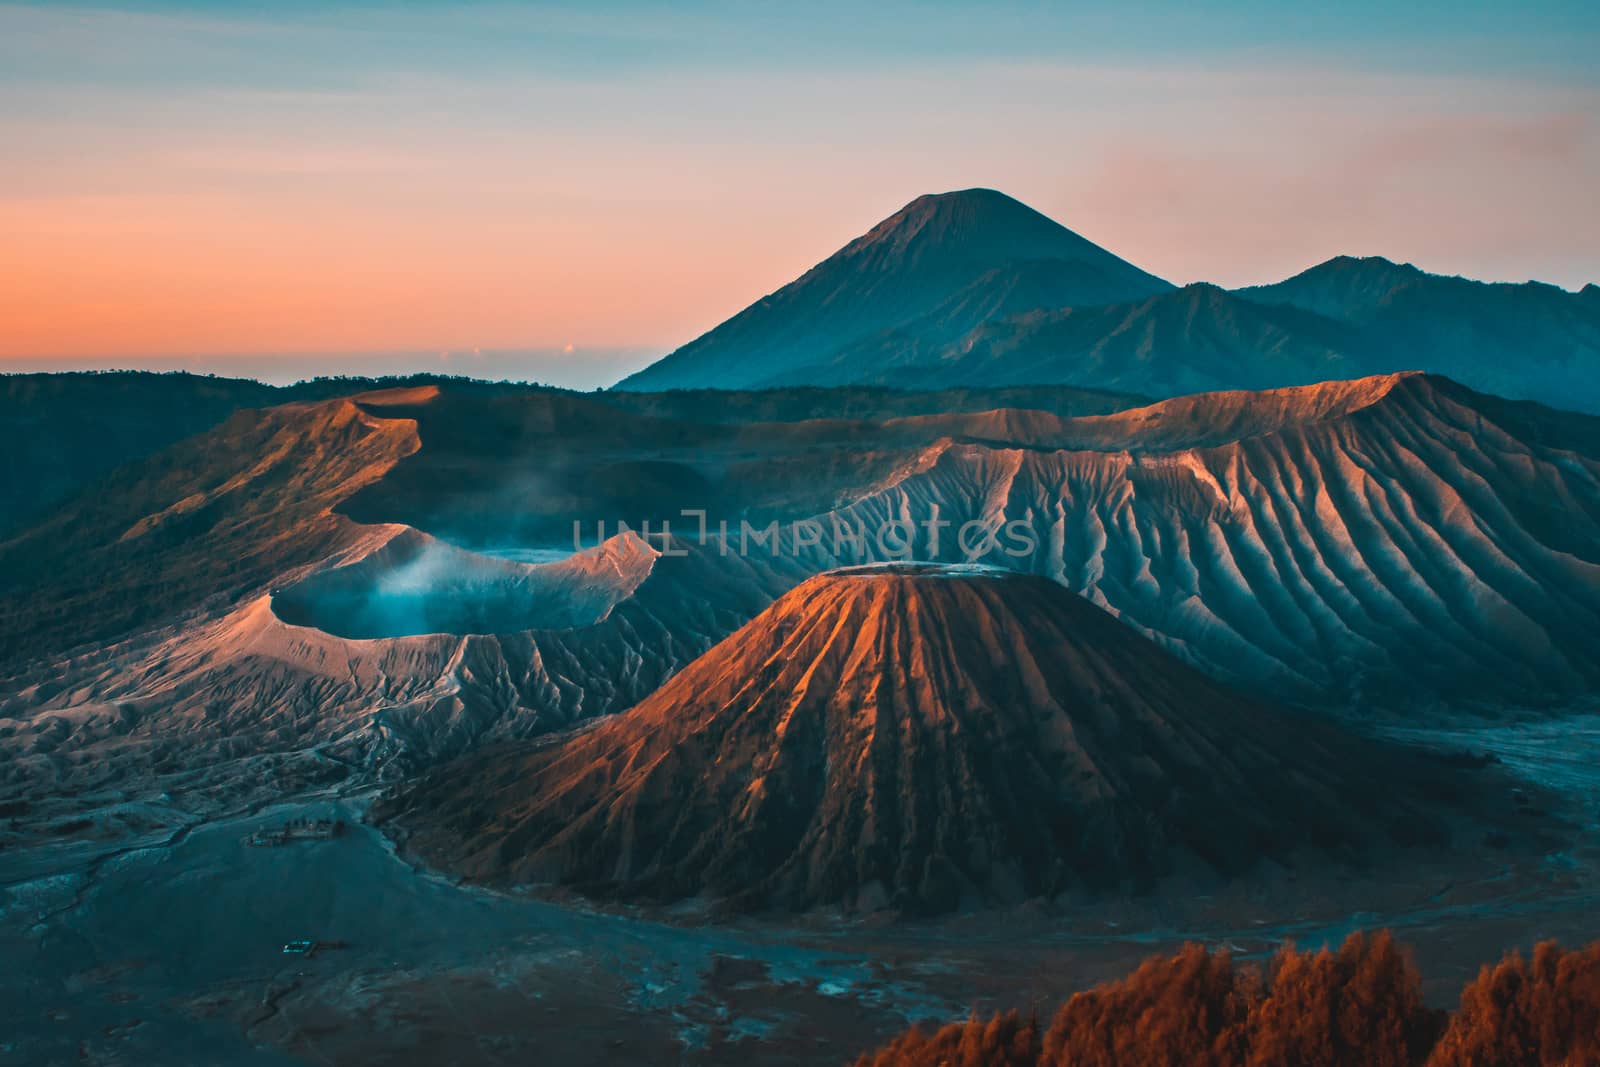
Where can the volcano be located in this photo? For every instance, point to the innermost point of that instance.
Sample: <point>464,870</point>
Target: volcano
<point>974,289</point>
<point>940,266</point>
<point>922,738</point>
<point>1189,340</point>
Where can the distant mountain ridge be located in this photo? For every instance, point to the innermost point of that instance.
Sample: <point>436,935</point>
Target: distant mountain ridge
<point>973,288</point>
<point>1527,341</point>
<point>1347,288</point>
<point>975,254</point>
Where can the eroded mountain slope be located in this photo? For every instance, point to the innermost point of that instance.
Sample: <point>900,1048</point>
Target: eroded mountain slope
<point>922,737</point>
<point>1390,545</point>
<point>214,516</point>
<point>1364,540</point>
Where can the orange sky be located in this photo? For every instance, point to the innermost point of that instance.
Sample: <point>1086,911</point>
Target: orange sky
<point>178,185</point>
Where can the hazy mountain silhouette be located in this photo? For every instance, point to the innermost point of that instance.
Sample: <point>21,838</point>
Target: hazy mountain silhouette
<point>1196,339</point>
<point>1527,341</point>
<point>972,255</point>
<point>973,288</point>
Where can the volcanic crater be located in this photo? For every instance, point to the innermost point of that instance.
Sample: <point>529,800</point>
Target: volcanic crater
<point>417,585</point>
<point>923,738</point>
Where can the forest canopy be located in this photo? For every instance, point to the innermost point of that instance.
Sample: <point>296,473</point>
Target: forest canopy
<point>1359,1006</point>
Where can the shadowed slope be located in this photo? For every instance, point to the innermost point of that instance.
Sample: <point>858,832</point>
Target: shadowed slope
<point>1526,341</point>
<point>1196,338</point>
<point>863,402</point>
<point>920,737</point>
<point>61,431</point>
<point>1346,288</point>
<point>973,254</point>
<point>218,514</point>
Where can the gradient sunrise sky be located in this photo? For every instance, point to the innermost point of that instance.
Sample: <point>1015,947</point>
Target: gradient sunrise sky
<point>564,192</point>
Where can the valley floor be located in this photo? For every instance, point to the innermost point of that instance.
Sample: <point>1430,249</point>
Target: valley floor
<point>168,948</point>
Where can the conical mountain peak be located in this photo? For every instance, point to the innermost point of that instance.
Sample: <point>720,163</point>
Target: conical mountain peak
<point>893,277</point>
<point>916,736</point>
<point>982,217</point>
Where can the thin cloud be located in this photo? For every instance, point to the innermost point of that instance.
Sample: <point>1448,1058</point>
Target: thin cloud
<point>290,160</point>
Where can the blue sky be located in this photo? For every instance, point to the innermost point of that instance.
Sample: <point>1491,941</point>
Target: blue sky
<point>189,179</point>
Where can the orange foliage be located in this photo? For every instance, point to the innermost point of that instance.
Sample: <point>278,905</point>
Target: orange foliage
<point>1361,1007</point>
<point>1004,1041</point>
<point>1543,1013</point>
<point>1188,1010</point>
<point>1358,1007</point>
